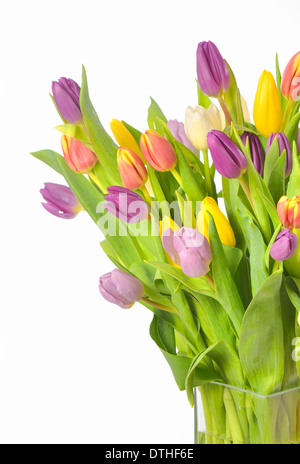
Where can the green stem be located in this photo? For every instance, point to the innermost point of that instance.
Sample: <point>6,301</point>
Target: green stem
<point>208,178</point>
<point>207,416</point>
<point>245,187</point>
<point>233,420</point>
<point>225,110</point>
<point>146,194</point>
<point>287,113</point>
<point>177,176</point>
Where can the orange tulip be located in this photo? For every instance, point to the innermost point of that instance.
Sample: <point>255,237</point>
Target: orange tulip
<point>78,157</point>
<point>132,169</point>
<point>290,84</point>
<point>157,151</point>
<point>289,212</point>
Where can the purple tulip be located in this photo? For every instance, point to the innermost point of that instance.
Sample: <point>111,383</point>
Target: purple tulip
<point>212,71</point>
<point>255,150</point>
<point>126,205</point>
<point>66,94</point>
<point>228,159</point>
<point>285,245</point>
<point>60,201</point>
<point>188,249</point>
<point>120,288</point>
<point>177,130</point>
<point>284,144</point>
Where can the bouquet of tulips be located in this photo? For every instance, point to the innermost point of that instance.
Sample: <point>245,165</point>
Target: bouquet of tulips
<point>201,220</point>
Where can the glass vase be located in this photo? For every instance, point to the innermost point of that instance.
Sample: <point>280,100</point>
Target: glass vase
<point>229,415</point>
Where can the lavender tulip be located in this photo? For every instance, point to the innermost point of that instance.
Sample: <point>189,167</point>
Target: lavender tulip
<point>126,205</point>
<point>188,249</point>
<point>285,245</point>
<point>212,71</point>
<point>255,149</point>
<point>228,159</point>
<point>177,130</point>
<point>60,201</point>
<point>284,144</point>
<point>120,288</point>
<point>66,94</point>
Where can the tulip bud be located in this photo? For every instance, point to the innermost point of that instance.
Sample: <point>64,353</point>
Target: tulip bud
<point>177,130</point>
<point>126,205</point>
<point>132,169</point>
<point>212,71</point>
<point>60,201</point>
<point>228,159</point>
<point>226,234</point>
<point>283,144</point>
<point>120,288</point>
<point>290,83</point>
<point>255,150</point>
<point>66,94</point>
<point>124,137</point>
<point>78,157</point>
<point>157,151</point>
<point>188,249</point>
<point>285,246</point>
<point>267,111</point>
<point>199,122</point>
<point>289,212</point>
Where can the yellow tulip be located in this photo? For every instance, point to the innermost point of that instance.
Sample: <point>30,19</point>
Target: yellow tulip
<point>224,229</point>
<point>267,111</point>
<point>124,138</point>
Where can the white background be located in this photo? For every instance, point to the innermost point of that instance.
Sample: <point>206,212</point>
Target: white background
<point>73,368</point>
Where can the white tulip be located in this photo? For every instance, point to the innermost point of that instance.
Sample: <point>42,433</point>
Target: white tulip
<point>199,122</point>
<point>245,110</point>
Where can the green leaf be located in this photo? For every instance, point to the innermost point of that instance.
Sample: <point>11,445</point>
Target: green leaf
<point>50,158</point>
<point>276,183</point>
<point>233,258</point>
<point>203,100</point>
<point>227,292</point>
<point>232,202</point>
<point>293,290</point>
<point>261,344</point>
<point>180,364</point>
<point>155,113</point>
<point>289,314</point>
<point>192,184</point>
<point>294,182</point>
<point>76,132</point>
<point>271,159</point>
<point>103,145</point>
<point>292,129</point>
<point>283,100</point>
<point>213,319</point>
<point>233,100</point>
<point>228,363</point>
<point>197,284</point>
<point>271,208</point>
<point>257,250</point>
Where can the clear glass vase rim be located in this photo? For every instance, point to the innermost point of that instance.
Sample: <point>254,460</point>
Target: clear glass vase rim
<point>243,390</point>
